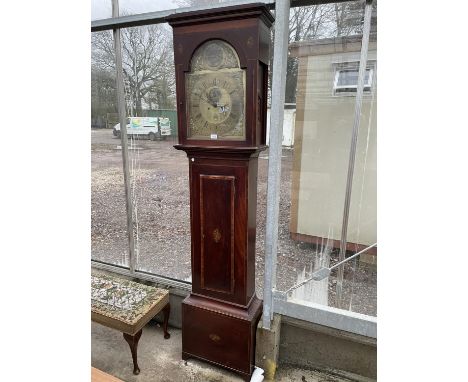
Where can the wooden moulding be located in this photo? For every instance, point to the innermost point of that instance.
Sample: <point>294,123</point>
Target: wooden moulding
<point>235,12</point>
<point>221,151</point>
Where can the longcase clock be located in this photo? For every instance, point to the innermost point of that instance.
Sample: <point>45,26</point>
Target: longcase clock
<point>221,59</point>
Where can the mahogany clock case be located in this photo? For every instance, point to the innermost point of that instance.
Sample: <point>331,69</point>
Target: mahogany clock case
<point>220,316</point>
<point>247,29</point>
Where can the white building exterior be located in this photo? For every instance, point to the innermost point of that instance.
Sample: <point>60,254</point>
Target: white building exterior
<point>288,125</point>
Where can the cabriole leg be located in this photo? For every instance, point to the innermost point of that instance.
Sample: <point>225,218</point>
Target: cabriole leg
<point>133,343</point>
<point>166,312</point>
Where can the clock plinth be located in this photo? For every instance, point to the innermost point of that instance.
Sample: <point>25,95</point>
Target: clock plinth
<point>221,334</point>
<point>221,59</point>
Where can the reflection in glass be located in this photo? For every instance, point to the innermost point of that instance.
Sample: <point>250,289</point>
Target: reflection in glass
<point>360,276</point>
<point>324,54</point>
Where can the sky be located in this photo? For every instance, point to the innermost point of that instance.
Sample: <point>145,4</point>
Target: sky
<point>102,9</point>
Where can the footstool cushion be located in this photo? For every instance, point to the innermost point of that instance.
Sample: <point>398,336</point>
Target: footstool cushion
<point>122,304</point>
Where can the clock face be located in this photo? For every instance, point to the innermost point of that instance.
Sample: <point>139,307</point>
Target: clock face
<point>215,90</point>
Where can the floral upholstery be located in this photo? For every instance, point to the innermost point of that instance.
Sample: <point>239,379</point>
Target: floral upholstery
<point>124,304</point>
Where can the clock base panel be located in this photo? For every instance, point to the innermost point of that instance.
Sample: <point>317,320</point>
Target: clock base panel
<point>220,333</point>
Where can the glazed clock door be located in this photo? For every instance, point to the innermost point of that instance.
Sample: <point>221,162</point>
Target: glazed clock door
<point>215,91</point>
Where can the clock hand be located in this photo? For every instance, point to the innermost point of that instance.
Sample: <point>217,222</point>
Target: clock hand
<point>223,108</point>
<point>206,100</point>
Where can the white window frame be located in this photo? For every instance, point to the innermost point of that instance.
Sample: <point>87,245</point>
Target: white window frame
<point>352,89</point>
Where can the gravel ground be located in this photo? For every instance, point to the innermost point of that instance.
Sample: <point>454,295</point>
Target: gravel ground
<point>161,194</point>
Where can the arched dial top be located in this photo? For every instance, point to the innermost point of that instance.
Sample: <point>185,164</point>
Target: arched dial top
<point>215,91</point>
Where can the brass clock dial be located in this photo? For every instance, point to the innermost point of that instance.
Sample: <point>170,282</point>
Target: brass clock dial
<point>215,91</point>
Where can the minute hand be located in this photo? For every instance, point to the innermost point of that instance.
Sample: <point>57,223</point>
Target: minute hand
<point>209,102</point>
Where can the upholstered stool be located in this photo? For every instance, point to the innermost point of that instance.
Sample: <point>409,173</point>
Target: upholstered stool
<point>127,306</point>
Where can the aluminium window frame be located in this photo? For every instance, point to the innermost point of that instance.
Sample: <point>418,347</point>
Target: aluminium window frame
<point>273,301</point>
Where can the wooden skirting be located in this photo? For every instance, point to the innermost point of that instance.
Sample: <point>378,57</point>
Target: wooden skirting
<point>99,376</point>
<point>352,247</point>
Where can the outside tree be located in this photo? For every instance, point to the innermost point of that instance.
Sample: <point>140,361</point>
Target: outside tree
<point>103,96</point>
<point>148,65</point>
<point>147,61</point>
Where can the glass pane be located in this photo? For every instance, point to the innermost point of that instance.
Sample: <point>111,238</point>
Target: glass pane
<point>159,172</point>
<point>323,39</point>
<point>350,77</point>
<point>132,7</point>
<point>359,288</point>
<point>101,9</point>
<point>109,240</point>
<point>160,191</point>
<point>347,77</point>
